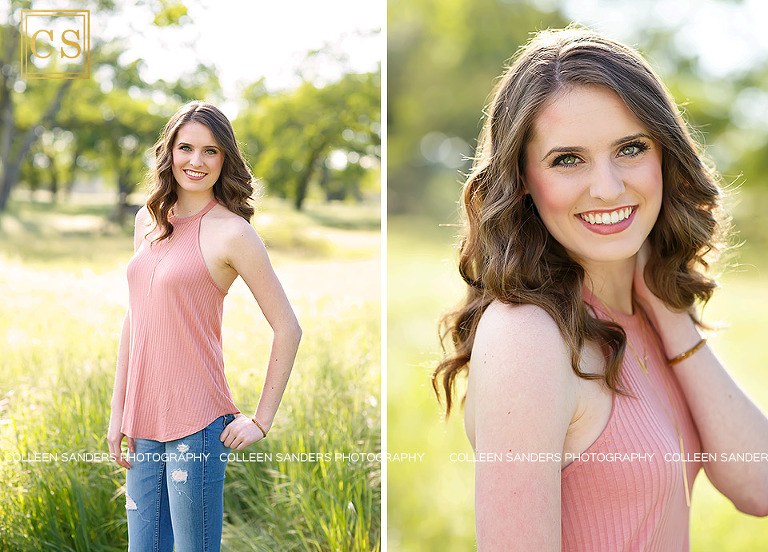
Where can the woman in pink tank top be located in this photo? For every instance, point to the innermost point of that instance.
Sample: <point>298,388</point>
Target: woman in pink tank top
<point>171,400</point>
<point>592,400</point>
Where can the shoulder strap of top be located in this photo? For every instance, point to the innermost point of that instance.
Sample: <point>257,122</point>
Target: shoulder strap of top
<point>208,207</point>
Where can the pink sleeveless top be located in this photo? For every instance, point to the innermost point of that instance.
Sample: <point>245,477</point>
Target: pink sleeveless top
<point>176,384</point>
<point>634,504</point>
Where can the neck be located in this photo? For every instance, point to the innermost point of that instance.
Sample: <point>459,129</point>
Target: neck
<point>188,204</point>
<point>612,283</point>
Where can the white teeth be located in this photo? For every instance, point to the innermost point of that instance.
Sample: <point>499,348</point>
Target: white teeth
<point>194,173</point>
<point>607,218</point>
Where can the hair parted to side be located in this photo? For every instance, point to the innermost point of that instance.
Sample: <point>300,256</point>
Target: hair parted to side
<point>507,254</point>
<point>234,188</point>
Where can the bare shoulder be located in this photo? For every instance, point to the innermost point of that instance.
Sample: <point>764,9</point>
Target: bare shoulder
<point>143,218</point>
<point>519,362</point>
<point>519,335</point>
<point>230,226</point>
<point>520,401</point>
<point>142,226</point>
<point>233,237</point>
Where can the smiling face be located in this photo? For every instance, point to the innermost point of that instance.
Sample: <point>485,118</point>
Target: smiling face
<point>594,174</point>
<point>197,159</point>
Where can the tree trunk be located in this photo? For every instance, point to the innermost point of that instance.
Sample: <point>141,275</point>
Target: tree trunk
<point>304,178</point>
<point>12,167</point>
<point>54,179</point>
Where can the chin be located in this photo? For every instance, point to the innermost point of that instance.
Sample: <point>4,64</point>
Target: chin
<point>614,253</point>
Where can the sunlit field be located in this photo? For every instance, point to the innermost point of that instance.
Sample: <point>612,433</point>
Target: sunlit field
<point>315,485</point>
<point>430,501</point>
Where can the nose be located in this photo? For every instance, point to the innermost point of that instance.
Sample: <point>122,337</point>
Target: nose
<point>606,183</point>
<point>196,159</point>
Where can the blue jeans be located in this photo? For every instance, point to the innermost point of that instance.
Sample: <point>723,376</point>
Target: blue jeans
<point>175,491</point>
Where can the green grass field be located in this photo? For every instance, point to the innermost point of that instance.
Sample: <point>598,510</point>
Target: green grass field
<point>430,503</point>
<point>62,273</point>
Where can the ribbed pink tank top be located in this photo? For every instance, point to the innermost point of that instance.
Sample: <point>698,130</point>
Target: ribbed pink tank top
<point>636,505</point>
<point>176,384</point>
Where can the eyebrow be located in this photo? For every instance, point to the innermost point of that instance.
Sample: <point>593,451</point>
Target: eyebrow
<point>187,144</point>
<point>579,149</point>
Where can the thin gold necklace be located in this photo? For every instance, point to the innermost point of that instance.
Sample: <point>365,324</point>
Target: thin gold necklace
<point>644,365</point>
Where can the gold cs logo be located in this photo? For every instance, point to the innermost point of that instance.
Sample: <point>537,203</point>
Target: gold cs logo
<point>55,44</point>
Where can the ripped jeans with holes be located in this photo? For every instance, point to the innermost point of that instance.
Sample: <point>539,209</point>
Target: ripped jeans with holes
<point>175,492</point>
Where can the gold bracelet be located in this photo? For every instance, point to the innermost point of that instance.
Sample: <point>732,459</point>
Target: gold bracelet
<point>259,426</point>
<point>682,356</point>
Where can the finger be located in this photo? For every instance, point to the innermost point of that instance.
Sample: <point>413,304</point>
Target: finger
<point>124,463</point>
<point>118,458</point>
<point>112,450</point>
<point>131,444</point>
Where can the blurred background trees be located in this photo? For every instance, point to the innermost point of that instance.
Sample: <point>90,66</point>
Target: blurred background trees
<point>443,60</point>
<point>444,57</point>
<point>320,138</point>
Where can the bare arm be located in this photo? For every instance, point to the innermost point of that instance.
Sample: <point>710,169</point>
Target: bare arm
<point>727,420</point>
<point>114,434</point>
<point>523,400</point>
<point>248,256</point>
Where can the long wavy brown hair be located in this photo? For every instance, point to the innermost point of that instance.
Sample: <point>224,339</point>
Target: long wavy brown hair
<point>235,186</point>
<point>507,254</point>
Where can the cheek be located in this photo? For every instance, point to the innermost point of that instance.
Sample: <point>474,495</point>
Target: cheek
<point>650,184</point>
<point>551,199</point>
<point>176,158</point>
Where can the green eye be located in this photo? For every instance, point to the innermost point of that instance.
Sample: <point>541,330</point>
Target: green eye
<point>566,160</point>
<point>632,150</point>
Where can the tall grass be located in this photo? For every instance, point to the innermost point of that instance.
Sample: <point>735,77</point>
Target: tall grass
<point>60,317</point>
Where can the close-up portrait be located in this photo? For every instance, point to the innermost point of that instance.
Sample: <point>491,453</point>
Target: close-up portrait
<point>586,358</point>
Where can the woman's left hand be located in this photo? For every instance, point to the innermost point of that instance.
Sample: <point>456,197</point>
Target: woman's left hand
<point>650,302</point>
<point>676,328</point>
<point>241,432</point>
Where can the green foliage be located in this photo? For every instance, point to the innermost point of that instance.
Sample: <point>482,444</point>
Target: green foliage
<point>444,57</point>
<point>295,138</point>
<point>110,120</point>
<point>170,13</point>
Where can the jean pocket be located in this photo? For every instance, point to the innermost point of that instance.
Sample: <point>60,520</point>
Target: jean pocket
<point>228,418</point>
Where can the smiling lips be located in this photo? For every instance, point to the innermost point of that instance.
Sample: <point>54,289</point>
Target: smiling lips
<point>608,222</point>
<point>607,217</point>
<point>194,175</point>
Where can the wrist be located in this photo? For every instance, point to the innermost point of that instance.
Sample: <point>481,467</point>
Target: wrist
<point>263,426</point>
<point>677,330</point>
<point>678,334</point>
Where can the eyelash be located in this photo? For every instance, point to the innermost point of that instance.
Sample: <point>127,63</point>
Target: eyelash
<point>212,151</point>
<point>641,147</point>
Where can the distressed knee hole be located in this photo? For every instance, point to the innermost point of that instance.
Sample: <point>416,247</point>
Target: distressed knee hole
<point>182,447</point>
<point>179,476</point>
<point>130,504</point>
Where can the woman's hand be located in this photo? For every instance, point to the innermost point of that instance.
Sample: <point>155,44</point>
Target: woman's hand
<point>241,432</point>
<point>651,304</point>
<point>676,328</point>
<point>115,441</point>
